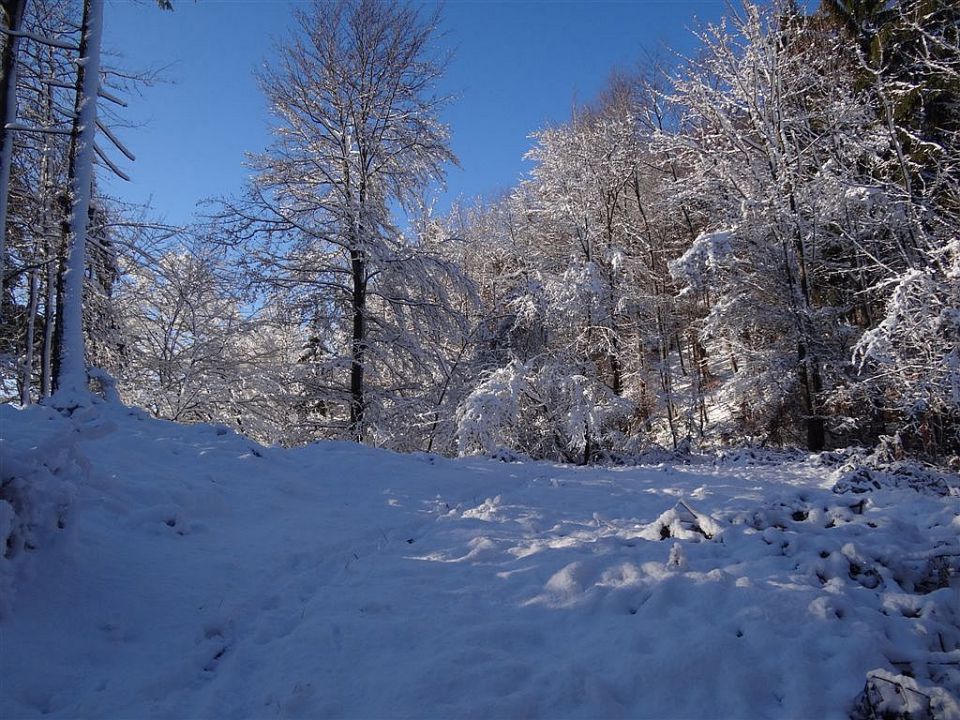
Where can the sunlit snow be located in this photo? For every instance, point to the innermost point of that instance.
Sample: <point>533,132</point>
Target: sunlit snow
<point>200,575</point>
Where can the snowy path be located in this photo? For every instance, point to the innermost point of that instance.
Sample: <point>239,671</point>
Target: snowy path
<point>206,577</point>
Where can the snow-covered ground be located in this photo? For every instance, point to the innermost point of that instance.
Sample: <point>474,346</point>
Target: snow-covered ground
<point>200,575</point>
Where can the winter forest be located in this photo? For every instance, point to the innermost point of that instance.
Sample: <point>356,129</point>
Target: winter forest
<point>744,258</point>
<point>758,245</point>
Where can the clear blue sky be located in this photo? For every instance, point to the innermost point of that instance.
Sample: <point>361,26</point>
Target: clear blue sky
<point>518,66</point>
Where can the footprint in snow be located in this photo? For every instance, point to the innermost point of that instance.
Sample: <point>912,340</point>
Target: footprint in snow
<point>213,647</point>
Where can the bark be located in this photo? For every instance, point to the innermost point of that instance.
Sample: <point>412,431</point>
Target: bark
<point>358,345</point>
<point>49,318</point>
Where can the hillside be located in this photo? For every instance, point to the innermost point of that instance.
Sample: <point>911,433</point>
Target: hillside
<point>197,574</point>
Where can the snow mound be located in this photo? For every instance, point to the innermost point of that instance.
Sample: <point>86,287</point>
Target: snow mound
<point>855,478</point>
<point>684,523</point>
<point>37,484</point>
<point>887,696</point>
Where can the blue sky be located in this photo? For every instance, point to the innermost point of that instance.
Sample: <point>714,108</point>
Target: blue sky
<point>518,66</point>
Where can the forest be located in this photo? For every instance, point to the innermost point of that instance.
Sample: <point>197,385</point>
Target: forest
<point>668,429</point>
<point>756,245</point>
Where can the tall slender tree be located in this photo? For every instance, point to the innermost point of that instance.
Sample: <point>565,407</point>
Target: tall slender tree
<point>71,376</point>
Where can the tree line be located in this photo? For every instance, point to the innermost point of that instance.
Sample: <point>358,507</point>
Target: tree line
<point>757,244</point>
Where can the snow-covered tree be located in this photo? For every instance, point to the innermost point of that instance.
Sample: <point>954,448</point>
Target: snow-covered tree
<point>908,63</point>
<point>71,379</point>
<point>35,172</point>
<point>71,368</point>
<point>763,240</point>
<point>12,18</point>
<point>50,72</point>
<point>582,179</point>
<point>179,323</point>
<point>357,131</point>
<point>768,139</point>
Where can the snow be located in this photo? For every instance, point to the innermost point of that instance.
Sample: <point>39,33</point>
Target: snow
<point>706,253</point>
<point>201,575</point>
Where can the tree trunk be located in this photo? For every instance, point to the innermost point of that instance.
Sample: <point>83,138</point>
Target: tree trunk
<point>49,318</point>
<point>72,375</point>
<point>811,384</point>
<point>587,447</point>
<point>59,267</point>
<point>616,364</point>
<point>699,354</point>
<point>27,377</point>
<point>358,345</point>
<point>13,19</point>
<point>49,246</point>
<point>666,375</point>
